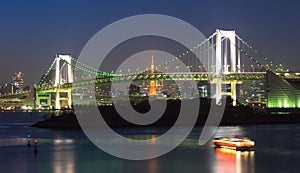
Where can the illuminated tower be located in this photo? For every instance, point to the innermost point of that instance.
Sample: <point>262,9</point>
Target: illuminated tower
<point>152,91</point>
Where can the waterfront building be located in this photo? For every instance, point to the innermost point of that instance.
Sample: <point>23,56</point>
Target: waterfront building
<point>282,93</point>
<point>17,82</point>
<point>258,91</point>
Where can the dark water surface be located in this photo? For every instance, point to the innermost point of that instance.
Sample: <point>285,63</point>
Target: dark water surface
<point>69,151</point>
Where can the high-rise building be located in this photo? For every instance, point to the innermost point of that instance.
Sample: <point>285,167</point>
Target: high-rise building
<point>17,82</point>
<point>2,86</point>
<point>204,89</point>
<point>5,88</point>
<point>258,91</point>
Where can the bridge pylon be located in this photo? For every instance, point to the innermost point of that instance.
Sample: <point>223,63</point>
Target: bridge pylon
<point>222,64</point>
<point>58,75</point>
<point>58,96</point>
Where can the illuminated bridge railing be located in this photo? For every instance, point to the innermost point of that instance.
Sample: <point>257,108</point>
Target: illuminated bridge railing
<point>198,76</point>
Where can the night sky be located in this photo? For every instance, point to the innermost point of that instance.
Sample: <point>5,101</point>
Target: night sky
<point>32,32</point>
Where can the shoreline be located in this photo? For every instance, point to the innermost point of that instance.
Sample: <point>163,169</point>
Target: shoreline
<point>241,115</point>
<point>62,124</point>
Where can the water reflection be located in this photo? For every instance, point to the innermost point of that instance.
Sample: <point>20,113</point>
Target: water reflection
<point>12,141</point>
<point>233,161</point>
<point>152,138</point>
<point>230,131</point>
<point>63,141</point>
<point>63,156</point>
<point>152,166</point>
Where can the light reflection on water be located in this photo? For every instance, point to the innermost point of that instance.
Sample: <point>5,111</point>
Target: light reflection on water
<point>12,141</point>
<point>233,161</point>
<point>68,165</point>
<point>152,166</point>
<point>230,131</point>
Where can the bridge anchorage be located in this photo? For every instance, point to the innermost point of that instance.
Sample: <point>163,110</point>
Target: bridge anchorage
<point>227,61</point>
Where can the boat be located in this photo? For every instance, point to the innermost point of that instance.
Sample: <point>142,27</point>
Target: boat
<point>236,143</point>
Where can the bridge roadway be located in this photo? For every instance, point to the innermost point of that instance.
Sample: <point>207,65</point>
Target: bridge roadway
<point>184,76</point>
<point>198,76</point>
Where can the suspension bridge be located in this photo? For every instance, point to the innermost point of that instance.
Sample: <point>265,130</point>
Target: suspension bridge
<point>225,59</point>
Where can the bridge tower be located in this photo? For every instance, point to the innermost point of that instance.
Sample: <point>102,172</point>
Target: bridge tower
<point>58,76</point>
<point>234,66</point>
<point>59,80</point>
<point>222,64</point>
<point>63,74</point>
<point>152,90</point>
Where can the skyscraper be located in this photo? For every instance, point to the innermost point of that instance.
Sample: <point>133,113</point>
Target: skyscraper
<point>17,82</point>
<point>258,91</point>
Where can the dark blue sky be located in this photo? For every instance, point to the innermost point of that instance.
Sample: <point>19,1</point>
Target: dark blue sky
<point>32,32</point>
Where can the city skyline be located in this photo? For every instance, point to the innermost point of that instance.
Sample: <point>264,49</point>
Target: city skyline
<point>33,32</point>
